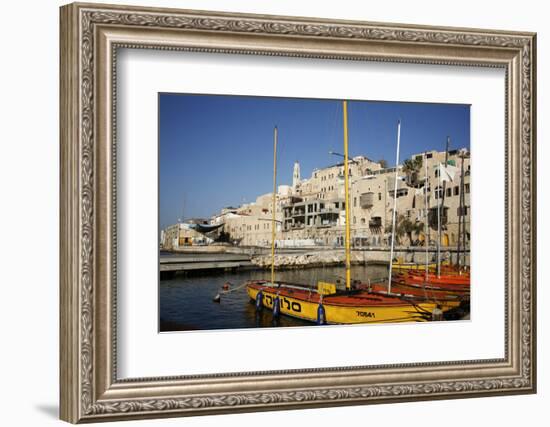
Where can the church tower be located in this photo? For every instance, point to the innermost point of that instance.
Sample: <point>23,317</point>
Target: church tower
<point>296,175</point>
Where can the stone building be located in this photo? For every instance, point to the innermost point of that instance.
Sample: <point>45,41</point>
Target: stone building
<point>312,210</point>
<point>250,224</point>
<point>180,235</point>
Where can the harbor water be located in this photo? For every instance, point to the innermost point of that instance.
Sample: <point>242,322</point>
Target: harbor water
<point>187,301</point>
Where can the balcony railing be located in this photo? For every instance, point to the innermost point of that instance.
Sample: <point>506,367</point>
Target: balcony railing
<point>375,222</point>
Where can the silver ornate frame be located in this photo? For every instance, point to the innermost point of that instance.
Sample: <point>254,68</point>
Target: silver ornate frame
<point>90,36</point>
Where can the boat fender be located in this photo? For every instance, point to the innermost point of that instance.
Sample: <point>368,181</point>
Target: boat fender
<point>321,318</point>
<point>217,298</point>
<point>276,306</point>
<point>259,298</point>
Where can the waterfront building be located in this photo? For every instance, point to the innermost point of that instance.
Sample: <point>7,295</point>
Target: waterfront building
<point>311,211</point>
<point>179,235</point>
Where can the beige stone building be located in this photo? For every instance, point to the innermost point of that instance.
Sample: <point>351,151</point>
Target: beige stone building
<point>179,235</point>
<point>372,198</point>
<point>250,224</point>
<point>312,211</point>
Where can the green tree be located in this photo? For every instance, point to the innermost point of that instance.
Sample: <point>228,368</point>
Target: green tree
<point>405,227</point>
<point>411,167</point>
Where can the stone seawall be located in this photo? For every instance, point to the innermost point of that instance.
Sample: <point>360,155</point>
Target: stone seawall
<point>337,257</point>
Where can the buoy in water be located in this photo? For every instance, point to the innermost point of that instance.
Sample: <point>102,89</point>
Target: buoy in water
<point>259,297</point>
<point>217,298</point>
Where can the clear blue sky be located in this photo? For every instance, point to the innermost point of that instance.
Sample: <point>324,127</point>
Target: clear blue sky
<point>217,151</point>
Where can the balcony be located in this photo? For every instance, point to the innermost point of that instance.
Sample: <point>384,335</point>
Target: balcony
<point>375,222</point>
<point>366,200</point>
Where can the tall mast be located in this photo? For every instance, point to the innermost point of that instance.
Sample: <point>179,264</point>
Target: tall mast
<point>459,216</point>
<point>438,220</point>
<point>346,184</point>
<point>462,219</point>
<point>394,204</point>
<point>441,206</point>
<point>274,205</point>
<point>446,160</point>
<point>426,240</point>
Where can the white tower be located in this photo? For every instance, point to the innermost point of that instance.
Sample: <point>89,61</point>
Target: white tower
<point>296,175</point>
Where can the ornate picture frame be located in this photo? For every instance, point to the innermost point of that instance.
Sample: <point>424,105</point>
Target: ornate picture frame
<point>90,37</point>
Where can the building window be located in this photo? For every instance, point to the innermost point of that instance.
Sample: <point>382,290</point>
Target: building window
<point>354,201</point>
<point>379,196</point>
<point>354,220</point>
<point>363,221</point>
<point>466,188</point>
<point>462,211</point>
<point>456,191</point>
<point>449,192</point>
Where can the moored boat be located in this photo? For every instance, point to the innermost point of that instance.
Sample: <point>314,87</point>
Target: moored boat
<point>441,280</point>
<point>407,266</point>
<point>446,300</point>
<point>340,307</point>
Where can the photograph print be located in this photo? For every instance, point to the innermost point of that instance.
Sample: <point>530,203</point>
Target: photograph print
<point>279,212</point>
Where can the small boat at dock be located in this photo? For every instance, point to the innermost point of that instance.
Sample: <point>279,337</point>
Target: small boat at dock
<point>340,307</point>
<point>419,294</point>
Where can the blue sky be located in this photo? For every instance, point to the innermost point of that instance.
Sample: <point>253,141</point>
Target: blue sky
<point>217,151</point>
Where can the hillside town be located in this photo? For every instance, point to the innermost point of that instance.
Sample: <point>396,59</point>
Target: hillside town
<point>311,211</point>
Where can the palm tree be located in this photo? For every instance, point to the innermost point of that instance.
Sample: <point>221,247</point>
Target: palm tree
<point>411,167</point>
<point>404,226</point>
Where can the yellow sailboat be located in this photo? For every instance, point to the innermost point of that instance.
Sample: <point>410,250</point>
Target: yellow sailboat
<point>324,303</point>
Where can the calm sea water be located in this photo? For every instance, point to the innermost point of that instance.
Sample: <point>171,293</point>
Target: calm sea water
<point>186,302</point>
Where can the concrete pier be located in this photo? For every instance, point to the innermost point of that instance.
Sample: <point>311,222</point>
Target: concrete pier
<point>202,261</point>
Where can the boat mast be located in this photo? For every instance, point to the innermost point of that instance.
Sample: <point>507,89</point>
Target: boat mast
<point>346,184</point>
<point>441,206</point>
<point>438,220</point>
<point>274,205</point>
<point>426,240</point>
<point>462,219</point>
<point>394,204</point>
